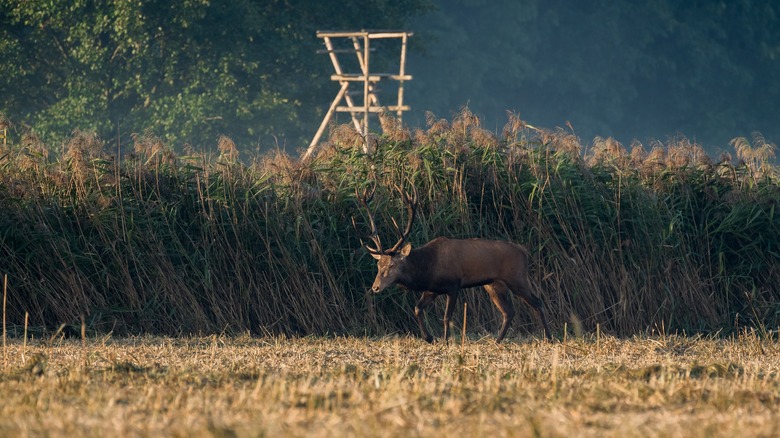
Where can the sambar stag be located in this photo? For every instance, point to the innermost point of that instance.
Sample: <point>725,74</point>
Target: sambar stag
<point>444,266</point>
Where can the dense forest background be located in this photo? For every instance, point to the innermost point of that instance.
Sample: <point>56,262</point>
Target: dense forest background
<point>194,70</point>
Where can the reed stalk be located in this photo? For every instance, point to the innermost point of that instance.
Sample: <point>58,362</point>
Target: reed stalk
<point>158,242</point>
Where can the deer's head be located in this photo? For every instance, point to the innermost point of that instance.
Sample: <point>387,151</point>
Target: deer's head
<point>390,262</point>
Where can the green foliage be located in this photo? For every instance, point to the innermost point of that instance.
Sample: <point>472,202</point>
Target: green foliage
<point>157,242</point>
<point>189,71</point>
<point>198,69</point>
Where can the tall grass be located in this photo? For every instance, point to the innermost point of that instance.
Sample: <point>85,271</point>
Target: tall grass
<point>152,241</point>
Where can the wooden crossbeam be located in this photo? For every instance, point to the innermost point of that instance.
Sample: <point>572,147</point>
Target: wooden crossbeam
<point>371,109</point>
<point>355,78</point>
<point>363,33</point>
<point>370,104</point>
<point>374,77</point>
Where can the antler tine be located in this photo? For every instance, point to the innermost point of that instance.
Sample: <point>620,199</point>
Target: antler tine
<point>364,200</point>
<point>411,207</point>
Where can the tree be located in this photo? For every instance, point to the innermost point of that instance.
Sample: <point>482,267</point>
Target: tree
<point>189,71</point>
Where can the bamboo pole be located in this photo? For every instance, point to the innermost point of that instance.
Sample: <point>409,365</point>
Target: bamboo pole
<point>366,101</point>
<point>337,68</point>
<point>372,99</point>
<point>401,73</point>
<point>325,121</point>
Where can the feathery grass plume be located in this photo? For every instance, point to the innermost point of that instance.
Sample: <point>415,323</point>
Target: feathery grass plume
<point>4,149</point>
<point>757,157</point>
<point>518,137</point>
<point>227,150</point>
<point>437,127</point>
<point>80,149</point>
<point>463,124</point>
<point>484,138</point>
<point>5,126</point>
<point>345,136</point>
<point>655,160</point>
<point>607,151</point>
<point>26,170</point>
<point>34,154</point>
<point>80,152</point>
<point>678,153</point>
<point>420,137</point>
<point>393,129</point>
<point>193,160</point>
<point>514,130</point>
<point>283,169</point>
<point>5,122</point>
<point>681,152</point>
<point>152,150</point>
<point>638,154</point>
<point>292,177</point>
<point>561,141</point>
<point>371,143</point>
<point>228,159</point>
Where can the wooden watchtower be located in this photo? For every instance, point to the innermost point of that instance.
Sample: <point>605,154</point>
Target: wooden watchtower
<point>363,79</point>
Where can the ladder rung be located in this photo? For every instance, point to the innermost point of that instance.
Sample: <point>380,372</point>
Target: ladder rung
<point>393,76</point>
<point>371,109</point>
<point>320,51</point>
<point>354,77</point>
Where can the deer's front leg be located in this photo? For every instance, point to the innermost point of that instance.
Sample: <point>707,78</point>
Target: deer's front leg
<point>419,310</point>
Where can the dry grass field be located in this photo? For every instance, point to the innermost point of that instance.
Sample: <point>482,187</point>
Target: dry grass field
<point>392,386</point>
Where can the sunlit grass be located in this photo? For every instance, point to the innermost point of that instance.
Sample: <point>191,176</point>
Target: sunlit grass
<point>392,386</point>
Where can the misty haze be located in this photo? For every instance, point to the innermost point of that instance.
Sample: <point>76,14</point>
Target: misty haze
<point>632,70</point>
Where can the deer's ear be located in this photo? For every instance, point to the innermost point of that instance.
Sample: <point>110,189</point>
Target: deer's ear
<point>406,249</point>
<point>376,256</point>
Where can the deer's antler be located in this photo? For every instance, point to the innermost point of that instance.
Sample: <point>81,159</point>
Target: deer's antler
<point>364,199</point>
<point>411,207</point>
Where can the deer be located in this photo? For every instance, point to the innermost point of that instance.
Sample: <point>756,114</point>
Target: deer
<point>444,266</point>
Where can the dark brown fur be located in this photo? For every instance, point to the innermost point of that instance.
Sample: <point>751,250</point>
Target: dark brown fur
<point>444,266</point>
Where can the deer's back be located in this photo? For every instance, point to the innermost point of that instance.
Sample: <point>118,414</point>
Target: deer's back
<point>475,262</point>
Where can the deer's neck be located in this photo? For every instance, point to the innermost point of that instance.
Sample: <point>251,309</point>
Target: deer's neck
<point>419,266</point>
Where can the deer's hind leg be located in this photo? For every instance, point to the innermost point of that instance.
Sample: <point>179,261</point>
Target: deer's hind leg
<point>522,289</point>
<point>498,294</point>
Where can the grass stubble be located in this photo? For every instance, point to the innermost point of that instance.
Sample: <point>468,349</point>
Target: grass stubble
<point>648,385</point>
